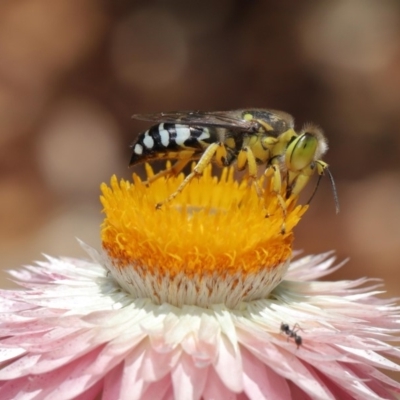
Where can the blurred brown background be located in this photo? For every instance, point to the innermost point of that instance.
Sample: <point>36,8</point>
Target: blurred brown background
<point>72,72</point>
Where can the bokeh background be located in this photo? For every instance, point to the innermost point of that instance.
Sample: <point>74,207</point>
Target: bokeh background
<point>72,72</point>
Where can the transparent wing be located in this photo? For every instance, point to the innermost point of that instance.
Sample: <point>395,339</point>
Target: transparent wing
<point>221,119</point>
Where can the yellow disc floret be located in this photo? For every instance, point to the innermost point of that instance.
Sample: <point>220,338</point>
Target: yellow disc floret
<point>215,228</point>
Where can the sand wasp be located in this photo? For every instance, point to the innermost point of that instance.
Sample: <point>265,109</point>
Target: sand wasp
<point>249,137</point>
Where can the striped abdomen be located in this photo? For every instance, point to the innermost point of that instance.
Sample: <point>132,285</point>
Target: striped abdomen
<point>163,140</point>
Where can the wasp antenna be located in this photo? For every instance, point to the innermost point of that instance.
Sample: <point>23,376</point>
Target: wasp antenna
<point>335,195</point>
<point>315,189</point>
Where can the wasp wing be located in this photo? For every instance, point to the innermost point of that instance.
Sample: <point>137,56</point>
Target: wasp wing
<point>222,119</point>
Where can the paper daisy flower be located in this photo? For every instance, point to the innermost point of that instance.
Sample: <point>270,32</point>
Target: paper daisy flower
<point>197,300</point>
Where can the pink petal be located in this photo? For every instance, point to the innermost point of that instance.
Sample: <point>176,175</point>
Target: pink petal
<point>132,384</point>
<point>112,383</point>
<point>229,365</point>
<point>290,367</point>
<point>65,382</point>
<point>215,389</point>
<point>161,389</point>
<point>156,365</point>
<point>188,381</point>
<point>260,381</point>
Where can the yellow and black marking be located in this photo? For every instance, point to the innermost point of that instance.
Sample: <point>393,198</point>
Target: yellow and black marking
<point>249,137</point>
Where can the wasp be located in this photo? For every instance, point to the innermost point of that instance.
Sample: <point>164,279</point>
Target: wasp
<point>292,333</point>
<point>247,137</point>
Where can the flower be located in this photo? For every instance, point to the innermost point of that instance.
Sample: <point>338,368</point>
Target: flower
<point>217,239</point>
<point>174,306</point>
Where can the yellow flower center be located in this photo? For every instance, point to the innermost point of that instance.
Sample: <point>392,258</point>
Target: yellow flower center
<point>215,229</point>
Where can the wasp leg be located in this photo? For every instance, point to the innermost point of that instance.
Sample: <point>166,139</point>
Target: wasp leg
<point>274,172</point>
<point>299,179</point>
<point>221,156</point>
<point>172,171</point>
<point>205,160</point>
<point>246,157</point>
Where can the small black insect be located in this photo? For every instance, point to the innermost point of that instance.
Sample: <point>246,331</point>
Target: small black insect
<point>292,333</point>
